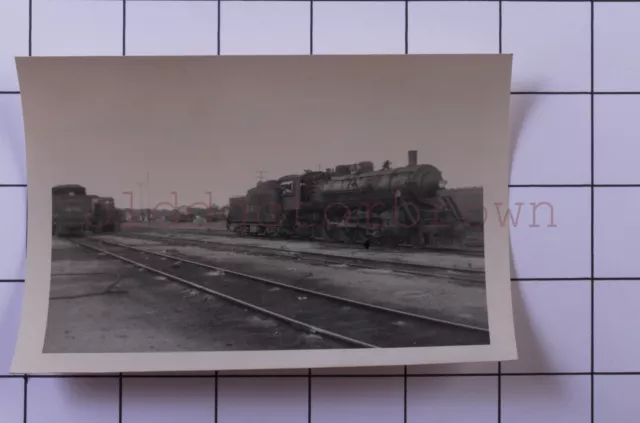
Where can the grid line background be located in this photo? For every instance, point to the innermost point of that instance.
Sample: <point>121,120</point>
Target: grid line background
<point>576,93</point>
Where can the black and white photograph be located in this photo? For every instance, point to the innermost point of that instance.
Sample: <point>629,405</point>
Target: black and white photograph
<point>338,207</point>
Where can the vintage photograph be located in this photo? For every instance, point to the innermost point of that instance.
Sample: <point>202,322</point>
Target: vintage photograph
<point>283,205</point>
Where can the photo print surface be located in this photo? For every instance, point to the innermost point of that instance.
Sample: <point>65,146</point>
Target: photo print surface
<point>247,212</point>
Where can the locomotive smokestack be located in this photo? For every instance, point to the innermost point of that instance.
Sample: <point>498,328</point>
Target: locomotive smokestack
<point>413,158</point>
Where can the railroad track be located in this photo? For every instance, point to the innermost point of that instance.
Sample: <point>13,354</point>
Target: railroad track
<point>465,275</point>
<point>353,323</point>
<point>465,252</point>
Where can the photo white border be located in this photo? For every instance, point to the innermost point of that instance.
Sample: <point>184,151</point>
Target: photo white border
<point>29,357</point>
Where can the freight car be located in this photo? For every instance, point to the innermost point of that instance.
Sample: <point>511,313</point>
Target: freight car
<point>353,204</point>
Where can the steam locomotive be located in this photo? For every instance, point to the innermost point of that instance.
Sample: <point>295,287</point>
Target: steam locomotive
<point>354,204</point>
<point>74,212</point>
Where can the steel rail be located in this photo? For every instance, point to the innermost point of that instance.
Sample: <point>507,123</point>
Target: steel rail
<point>307,291</point>
<point>293,322</point>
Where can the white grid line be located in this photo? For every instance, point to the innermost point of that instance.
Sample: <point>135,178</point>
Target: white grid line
<point>592,186</point>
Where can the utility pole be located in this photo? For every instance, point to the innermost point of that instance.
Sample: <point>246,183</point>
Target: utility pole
<point>260,174</point>
<point>148,199</point>
<point>140,185</point>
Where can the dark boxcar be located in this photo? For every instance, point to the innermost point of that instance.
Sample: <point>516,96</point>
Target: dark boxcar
<point>469,202</point>
<point>469,205</point>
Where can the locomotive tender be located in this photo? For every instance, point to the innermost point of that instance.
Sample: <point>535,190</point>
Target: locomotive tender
<point>74,212</point>
<point>353,204</point>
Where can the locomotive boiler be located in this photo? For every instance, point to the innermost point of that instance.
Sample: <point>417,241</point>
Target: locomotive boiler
<point>353,203</point>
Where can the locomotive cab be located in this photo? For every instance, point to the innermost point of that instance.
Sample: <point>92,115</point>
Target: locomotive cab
<point>289,189</point>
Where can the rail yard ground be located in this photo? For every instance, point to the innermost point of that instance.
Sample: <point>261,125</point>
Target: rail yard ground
<point>217,230</point>
<point>107,295</point>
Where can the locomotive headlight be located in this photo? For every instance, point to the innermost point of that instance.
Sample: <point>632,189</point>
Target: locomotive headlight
<point>442,183</point>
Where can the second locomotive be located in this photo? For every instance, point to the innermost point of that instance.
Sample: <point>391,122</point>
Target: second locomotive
<point>355,204</point>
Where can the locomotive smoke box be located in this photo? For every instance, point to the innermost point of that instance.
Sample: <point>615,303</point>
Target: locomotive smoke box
<point>271,209</point>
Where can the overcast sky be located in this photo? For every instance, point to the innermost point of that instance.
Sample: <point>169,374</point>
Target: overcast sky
<point>204,126</point>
